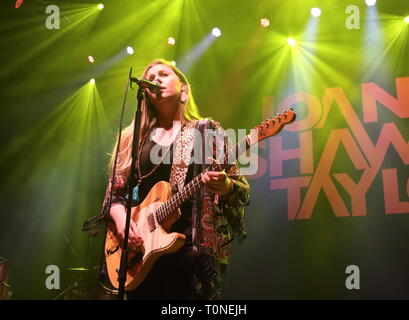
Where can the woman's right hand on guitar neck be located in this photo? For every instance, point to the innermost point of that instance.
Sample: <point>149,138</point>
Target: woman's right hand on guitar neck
<point>118,215</point>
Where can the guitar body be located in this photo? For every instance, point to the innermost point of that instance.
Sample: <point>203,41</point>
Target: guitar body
<point>157,240</point>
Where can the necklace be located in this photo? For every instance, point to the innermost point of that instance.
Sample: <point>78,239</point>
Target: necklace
<point>140,177</point>
<point>138,159</point>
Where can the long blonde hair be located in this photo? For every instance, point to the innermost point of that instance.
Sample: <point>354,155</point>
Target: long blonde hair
<point>188,111</point>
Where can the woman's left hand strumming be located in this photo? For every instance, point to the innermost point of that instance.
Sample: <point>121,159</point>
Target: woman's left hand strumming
<point>217,182</point>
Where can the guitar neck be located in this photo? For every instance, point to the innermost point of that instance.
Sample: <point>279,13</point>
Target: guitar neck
<point>179,198</point>
<point>264,130</point>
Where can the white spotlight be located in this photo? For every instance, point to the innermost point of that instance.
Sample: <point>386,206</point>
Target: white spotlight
<point>129,50</point>
<point>264,22</point>
<point>315,12</point>
<point>216,32</point>
<point>100,6</point>
<point>407,19</point>
<point>370,3</point>
<point>291,42</point>
<point>91,59</point>
<point>171,41</point>
<point>92,81</point>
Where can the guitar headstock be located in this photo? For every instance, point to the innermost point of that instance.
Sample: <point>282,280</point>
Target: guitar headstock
<point>273,126</point>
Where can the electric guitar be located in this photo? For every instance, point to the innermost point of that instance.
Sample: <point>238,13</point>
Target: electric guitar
<point>155,216</point>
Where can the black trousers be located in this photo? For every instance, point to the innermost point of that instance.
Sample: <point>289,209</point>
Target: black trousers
<point>173,277</point>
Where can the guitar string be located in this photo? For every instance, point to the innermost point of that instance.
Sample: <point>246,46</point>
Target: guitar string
<point>167,204</point>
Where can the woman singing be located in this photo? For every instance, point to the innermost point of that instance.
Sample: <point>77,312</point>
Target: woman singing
<point>208,219</point>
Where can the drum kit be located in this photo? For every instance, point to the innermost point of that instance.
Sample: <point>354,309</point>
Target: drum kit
<point>78,290</point>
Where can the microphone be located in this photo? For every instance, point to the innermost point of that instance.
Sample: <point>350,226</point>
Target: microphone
<point>153,86</point>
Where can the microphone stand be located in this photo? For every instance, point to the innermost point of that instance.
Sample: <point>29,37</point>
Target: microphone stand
<point>131,183</point>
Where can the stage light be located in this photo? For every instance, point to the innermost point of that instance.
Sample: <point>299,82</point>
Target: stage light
<point>315,12</point>
<point>370,3</point>
<point>264,22</point>
<point>100,6</point>
<point>171,41</point>
<point>407,19</point>
<point>216,32</point>
<point>91,59</point>
<point>129,50</point>
<point>92,81</point>
<point>291,42</point>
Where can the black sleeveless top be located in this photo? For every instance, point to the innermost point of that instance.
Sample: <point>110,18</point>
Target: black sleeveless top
<point>162,173</point>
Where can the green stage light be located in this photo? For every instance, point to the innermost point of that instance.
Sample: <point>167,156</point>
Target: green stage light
<point>100,6</point>
<point>92,81</point>
<point>291,42</point>
<point>407,19</point>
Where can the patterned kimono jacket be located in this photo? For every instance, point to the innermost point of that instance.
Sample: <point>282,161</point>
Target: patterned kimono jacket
<point>215,219</point>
